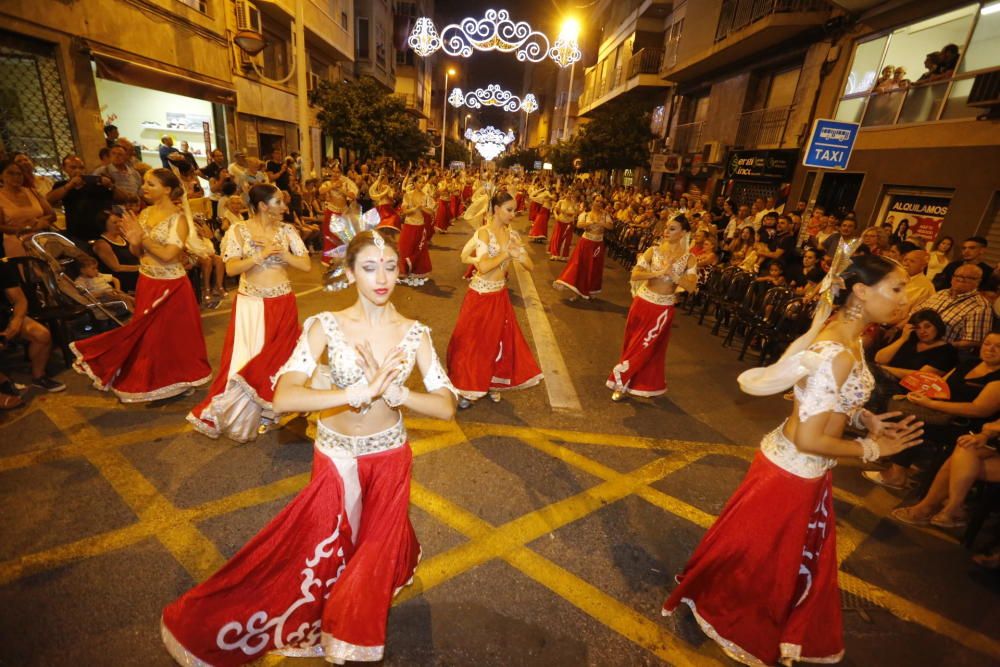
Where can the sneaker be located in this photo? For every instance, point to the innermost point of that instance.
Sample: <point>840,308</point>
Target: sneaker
<point>8,402</point>
<point>48,384</point>
<point>11,388</point>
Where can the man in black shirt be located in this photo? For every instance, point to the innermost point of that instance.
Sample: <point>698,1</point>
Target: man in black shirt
<point>972,250</point>
<point>216,172</point>
<point>781,246</point>
<point>83,197</point>
<point>278,170</point>
<point>19,326</point>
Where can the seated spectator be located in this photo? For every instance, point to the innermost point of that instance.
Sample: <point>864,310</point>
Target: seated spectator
<point>706,259</point>
<point>781,247</point>
<point>918,287</point>
<point>965,312</point>
<point>202,251</point>
<point>231,207</point>
<point>774,276</point>
<point>39,183</point>
<point>215,173</point>
<point>23,212</point>
<point>83,196</point>
<point>920,347</point>
<point>848,230</point>
<point>869,242</point>
<point>940,256</point>
<point>972,251</point>
<point>975,399</point>
<point>807,276</point>
<point>16,325</point>
<point>113,253</point>
<point>944,505</point>
<point>740,246</point>
<point>829,226</point>
<point>102,286</point>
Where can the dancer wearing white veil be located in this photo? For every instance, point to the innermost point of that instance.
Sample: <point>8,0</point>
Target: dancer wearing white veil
<point>660,271</point>
<point>763,581</point>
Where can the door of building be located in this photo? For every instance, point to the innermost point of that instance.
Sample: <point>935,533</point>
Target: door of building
<point>839,192</point>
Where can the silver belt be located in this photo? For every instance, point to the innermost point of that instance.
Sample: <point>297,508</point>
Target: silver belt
<point>483,286</point>
<point>249,289</point>
<point>331,442</point>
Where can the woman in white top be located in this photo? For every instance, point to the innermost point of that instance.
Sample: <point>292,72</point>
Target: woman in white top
<point>161,352</point>
<point>264,324</point>
<point>940,256</point>
<point>318,580</point>
<point>584,273</point>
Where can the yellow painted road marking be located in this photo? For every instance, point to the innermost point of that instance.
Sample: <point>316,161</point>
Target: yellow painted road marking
<point>558,382</point>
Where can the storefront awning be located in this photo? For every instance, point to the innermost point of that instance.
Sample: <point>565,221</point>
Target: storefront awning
<point>118,66</point>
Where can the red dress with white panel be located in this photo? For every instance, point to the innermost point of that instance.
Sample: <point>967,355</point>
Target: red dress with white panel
<point>640,370</point>
<point>487,351</point>
<point>318,580</point>
<point>414,251</point>
<point>161,352</point>
<point>584,273</point>
<point>763,581</point>
<point>540,221</point>
<point>562,232</point>
<point>263,328</point>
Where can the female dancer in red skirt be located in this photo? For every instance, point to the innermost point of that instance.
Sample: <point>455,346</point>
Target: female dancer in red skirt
<point>763,581</point>
<point>334,219</point>
<point>565,211</point>
<point>442,214</point>
<point>318,580</point>
<point>661,269</point>
<point>456,198</point>
<point>584,274</point>
<point>540,222</point>
<point>161,352</point>
<point>415,261</point>
<point>487,351</point>
<point>530,193</point>
<point>265,321</point>
<point>383,195</point>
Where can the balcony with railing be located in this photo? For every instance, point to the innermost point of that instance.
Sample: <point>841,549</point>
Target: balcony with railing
<point>413,105</point>
<point>687,138</point>
<point>763,128</point>
<point>638,71</point>
<point>746,28</point>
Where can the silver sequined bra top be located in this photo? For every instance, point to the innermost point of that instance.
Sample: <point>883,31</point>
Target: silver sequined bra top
<point>344,370</point>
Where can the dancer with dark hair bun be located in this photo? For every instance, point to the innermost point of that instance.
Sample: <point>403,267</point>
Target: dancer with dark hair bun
<point>264,324</point>
<point>161,352</point>
<point>763,581</point>
<point>661,269</point>
<point>318,580</point>
<point>487,352</point>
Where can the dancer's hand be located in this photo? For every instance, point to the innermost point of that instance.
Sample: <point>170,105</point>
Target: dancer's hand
<point>130,228</point>
<point>877,425</point>
<point>908,432</point>
<point>379,376</point>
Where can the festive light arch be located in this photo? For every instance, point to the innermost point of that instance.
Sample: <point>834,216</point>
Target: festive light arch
<point>494,32</point>
<point>489,141</point>
<point>492,96</point>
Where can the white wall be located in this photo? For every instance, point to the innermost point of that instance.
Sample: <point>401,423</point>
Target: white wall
<point>134,105</point>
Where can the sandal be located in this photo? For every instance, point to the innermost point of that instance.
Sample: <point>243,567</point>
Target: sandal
<point>875,476</point>
<point>9,402</point>
<point>942,521</point>
<point>905,515</point>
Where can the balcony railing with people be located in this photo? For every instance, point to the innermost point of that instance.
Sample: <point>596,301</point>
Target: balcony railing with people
<point>763,127</point>
<point>738,14</point>
<point>687,137</point>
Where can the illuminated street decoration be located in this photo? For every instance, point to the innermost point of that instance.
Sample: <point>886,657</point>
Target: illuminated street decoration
<point>492,96</point>
<point>494,32</point>
<point>565,51</point>
<point>489,141</point>
<point>424,39</point>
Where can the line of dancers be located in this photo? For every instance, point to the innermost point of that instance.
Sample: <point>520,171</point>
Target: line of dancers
<point>319,578</point>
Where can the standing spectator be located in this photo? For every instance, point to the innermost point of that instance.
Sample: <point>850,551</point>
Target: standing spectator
<point>24,211</point>
<point>188,155</point>
<point>253,175</point>
<point>166,149</point>
<point>110,135</point>
<point>40,184</point>
<point>848,231</point>
<point>104,155</point>
<point>122,174</point>
<point>279,171</point>
<point>215,173</point>
<point>238,166</point>
<point>972,251</point>
<point>18,326</point>
<point>83,198</point>
<point>967,315</point>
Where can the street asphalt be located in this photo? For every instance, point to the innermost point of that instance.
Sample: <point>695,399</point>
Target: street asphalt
<point>550,537</point>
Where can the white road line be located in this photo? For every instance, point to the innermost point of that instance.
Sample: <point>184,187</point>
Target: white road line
<point>298,295</point>
<point>558,383</point>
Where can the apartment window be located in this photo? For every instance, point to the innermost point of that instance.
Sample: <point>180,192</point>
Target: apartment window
<point>362,38</point>
<point>275,54</point>
<point>380,44</point>
<point>200,5</point>
<point>922,71</point>
<point>672,42</point>
<point>781,92</point>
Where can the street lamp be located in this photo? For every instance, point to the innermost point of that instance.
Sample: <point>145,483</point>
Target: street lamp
<point>566,51</point>
<point>253,43</point>
<point>444,111</point>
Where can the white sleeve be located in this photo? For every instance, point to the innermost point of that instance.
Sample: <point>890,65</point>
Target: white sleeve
<point>231,246</point>
<point>301,359</point>
<point>435,377</point>
<point>295,244</point>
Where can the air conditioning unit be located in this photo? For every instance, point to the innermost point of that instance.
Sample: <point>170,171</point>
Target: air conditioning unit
<point>713,152</point>
<point>247,19</point>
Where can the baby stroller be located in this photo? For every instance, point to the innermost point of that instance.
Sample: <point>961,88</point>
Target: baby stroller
<point>61,255</point>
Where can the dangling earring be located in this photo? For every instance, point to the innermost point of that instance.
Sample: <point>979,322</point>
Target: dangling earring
<point>854,311</point>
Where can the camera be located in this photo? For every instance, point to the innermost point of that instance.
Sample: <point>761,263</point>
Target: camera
<point>91,179</point>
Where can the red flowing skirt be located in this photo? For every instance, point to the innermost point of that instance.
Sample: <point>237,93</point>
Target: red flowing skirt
<point>161,351</point>
<point>584,274</point>
<point>442,214</point>
<point>239,399</point>
<point>414,252</point>
<point>306,585</point>
<point>330,240</point>
<point>467,193</point>
<point>532,210</point>
<point>540,224</point>
<point>519,201</point>
<point>456,206</point>
<point>763,581</point>
<point>389,216</point>
<point>647,334</point>
<point>487,350</point>
<point>562,238</point>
